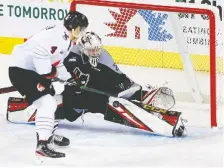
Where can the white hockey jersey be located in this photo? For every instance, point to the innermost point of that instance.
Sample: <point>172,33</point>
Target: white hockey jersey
<point>44,49</point>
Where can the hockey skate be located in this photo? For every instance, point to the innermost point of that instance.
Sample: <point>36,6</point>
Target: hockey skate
<point>61,140</point>
<point>180,130</point>
<point>46,149</point>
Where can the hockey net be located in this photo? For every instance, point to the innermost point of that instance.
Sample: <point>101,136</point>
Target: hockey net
<point>163,44</point>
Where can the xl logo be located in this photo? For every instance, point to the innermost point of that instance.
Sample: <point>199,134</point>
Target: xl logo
<point>156,24</point>
<point>208,2</point>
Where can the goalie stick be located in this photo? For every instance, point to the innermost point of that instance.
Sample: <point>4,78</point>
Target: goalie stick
<point>85,88</point>
<point>146,107</point>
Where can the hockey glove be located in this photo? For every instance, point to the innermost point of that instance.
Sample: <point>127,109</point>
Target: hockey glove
<point>72,85</point>
<point>71,82</point>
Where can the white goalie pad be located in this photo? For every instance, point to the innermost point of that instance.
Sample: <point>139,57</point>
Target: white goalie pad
<point>21,115</point>
<point>156,124</point>
<point>20,112</point>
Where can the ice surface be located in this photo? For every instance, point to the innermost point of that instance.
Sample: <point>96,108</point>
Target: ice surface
<point>100,143</point>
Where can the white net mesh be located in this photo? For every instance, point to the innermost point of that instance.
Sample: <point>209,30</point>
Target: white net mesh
<point>145,42</point>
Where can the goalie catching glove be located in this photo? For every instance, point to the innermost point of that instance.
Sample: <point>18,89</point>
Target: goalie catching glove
<point>161,97</point>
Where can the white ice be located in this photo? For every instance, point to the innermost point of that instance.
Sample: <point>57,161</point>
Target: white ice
<point>100,143</point>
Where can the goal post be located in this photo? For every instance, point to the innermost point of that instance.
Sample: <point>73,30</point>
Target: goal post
<point>185,56</point>
<point>118,16</point>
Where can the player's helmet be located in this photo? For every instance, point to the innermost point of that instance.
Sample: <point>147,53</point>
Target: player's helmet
<point>74,19</point>
<point>91,45</point>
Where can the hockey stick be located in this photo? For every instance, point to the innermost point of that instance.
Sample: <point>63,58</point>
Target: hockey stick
<point>13,89</point>
<point>97,91</point>
<point>149,108</point>
<point>86,88</point>
<point>7,89</point>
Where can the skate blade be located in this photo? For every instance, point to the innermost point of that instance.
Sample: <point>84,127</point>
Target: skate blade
<point>47,160</point>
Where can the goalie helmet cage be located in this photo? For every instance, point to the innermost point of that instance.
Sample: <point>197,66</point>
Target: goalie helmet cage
<point>183,50</point>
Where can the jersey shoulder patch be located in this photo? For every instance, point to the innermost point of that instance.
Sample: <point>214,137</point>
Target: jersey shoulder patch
<point>73,59</point>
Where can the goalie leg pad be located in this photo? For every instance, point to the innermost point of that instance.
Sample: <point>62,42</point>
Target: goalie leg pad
<point>19,111</point>
<point>127,119</point>
<point>137,116</point>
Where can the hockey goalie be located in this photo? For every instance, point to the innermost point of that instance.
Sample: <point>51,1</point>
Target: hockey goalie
<point>96,85</point>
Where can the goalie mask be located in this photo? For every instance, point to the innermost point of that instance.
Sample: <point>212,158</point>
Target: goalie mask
<point>91,46</point>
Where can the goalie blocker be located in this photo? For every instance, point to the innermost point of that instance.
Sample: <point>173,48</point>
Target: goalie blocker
<point>131,113</point>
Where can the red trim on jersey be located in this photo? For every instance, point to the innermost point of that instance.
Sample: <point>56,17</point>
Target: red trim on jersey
<point>52,74</point>
<point>60,105</point>
<point>32,118</point>
<point>55,64</point>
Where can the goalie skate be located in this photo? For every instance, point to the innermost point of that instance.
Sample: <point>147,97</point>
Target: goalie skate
<point>179,130</point>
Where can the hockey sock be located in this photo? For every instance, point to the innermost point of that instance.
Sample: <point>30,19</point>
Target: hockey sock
<point>46,107</point>
<point>56,122</point>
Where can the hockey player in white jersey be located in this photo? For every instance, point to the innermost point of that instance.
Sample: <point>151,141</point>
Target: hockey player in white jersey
<point>33,67</point>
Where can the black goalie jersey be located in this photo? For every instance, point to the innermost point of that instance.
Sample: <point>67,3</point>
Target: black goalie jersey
<point>105,77</point>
